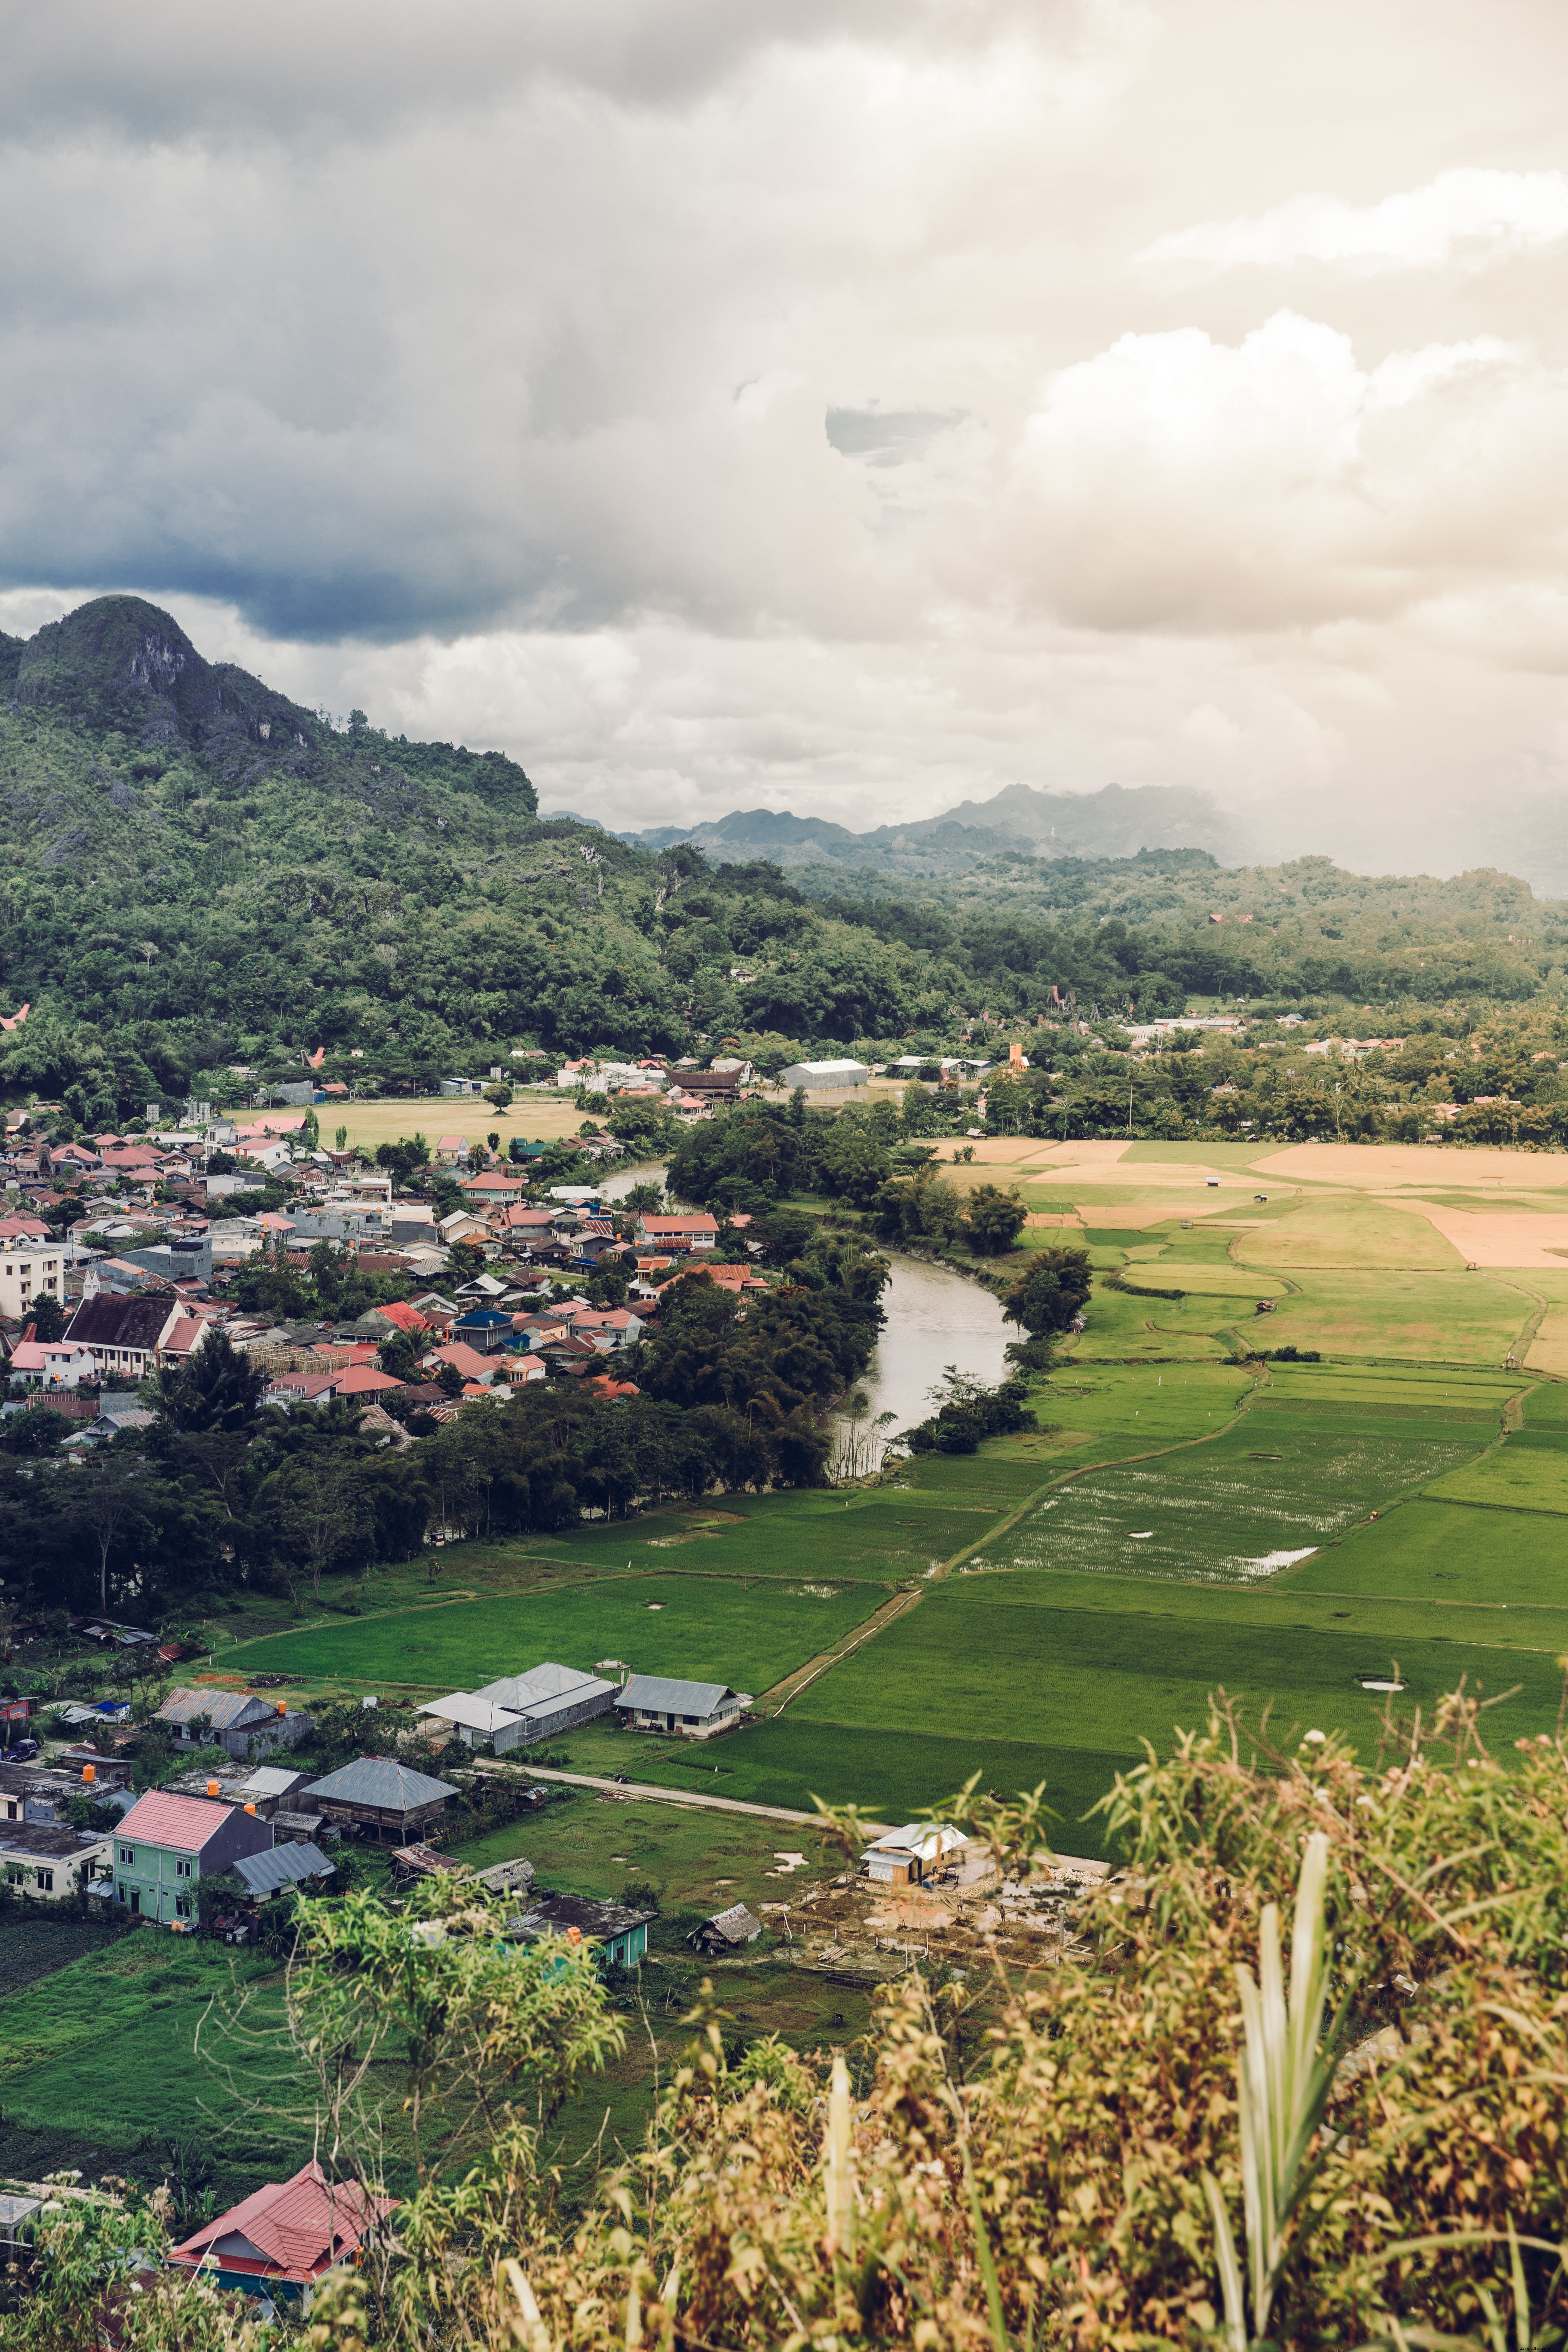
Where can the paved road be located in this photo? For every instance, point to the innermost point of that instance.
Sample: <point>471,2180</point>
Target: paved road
<point>649,1791</point>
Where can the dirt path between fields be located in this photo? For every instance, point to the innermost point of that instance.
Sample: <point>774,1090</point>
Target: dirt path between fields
<point>781,1694</point>
<point>650,1791</point>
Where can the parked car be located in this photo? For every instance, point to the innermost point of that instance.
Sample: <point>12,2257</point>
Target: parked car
<point>20,1752</point>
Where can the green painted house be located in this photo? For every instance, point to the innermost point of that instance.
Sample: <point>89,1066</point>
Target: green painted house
<point>167,1845</point>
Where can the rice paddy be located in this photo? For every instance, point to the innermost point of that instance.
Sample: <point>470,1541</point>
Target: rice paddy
<point>1180,1518</point>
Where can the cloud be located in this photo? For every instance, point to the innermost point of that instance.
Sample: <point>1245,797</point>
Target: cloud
<point>1174,481</point>
<point>718,406</point>
<point>1504,212</point>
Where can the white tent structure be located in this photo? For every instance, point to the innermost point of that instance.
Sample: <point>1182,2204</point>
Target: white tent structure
<point>918,1851</point>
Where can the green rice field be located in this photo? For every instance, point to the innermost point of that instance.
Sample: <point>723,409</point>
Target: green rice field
<point>706,1627</point>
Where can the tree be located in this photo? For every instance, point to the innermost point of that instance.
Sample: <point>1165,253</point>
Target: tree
<point>311,1131</point>
<point>466,1259</point>
<point>1051,1291</point>
<point>216,1389</point>
<point>37,1431</point>
<point>340,1139</point>
<point>48,1317</point>
<point>106,1498</point>
<point>399,1356</point>
<point>993,1220</point>
<point>312,1504</point>
<point>643,1200</point>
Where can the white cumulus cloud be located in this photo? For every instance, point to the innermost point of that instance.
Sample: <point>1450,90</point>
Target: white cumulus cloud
<point>1418,229</point>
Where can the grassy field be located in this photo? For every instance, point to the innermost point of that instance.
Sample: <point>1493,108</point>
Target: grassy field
<point>746,1634</point>
<point>1162,1470</point>
<point>389,1119</point>
<point>106,2050</point>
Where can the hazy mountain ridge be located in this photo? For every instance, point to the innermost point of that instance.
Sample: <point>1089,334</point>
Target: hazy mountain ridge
<point>1114,821</point>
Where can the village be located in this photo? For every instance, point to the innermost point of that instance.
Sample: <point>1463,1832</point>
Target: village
<point>117,1256</point>
<point>218,1852</point>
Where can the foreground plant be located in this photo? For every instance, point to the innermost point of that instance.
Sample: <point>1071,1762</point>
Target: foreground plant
<point>1045,2162</point>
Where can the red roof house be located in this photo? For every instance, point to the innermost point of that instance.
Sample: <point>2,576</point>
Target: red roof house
<point>286,2236</point>
<point>364,1380</point>
<point>465,1360</point>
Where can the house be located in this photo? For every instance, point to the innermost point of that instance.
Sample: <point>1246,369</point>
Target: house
<point>383,1797</point>
<point>825,1077</point>
<point>401,1317</point>
<point>124,1335</point>
<point>52,1864</point>
<point>484,1328</point>
<point>285,2239</point>
<point>617,1935</point>
<point>237,1721</point>
<point>301,1828</point>
<point>30,1792</point>
<point>546,1702</point>
<point>475,1720</point>
<point>30,1269</point>
<point>266,1873</point>
<point>463,1225</point>
<point>677,1234</point>
<point>52,1363</point>
<point>493,1188</point>
<point>464,1359</point>
<point>726,1931</point>
<point>269,1788</point>
<point>661,1702</point>
<point>167,1845</point>
<point>362,1380</point>
<point>903,1857</point>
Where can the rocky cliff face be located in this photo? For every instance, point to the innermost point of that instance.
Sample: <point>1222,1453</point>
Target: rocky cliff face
<point>120,664</point>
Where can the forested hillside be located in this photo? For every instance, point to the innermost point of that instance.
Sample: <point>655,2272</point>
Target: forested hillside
<point>197,872</point>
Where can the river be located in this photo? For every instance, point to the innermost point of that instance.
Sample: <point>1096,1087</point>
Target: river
<point>935,1317</point>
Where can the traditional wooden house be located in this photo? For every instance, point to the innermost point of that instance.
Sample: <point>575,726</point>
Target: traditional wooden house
<point>726,1931</point>
<point>380,1797</point>
<point>284,2240</point>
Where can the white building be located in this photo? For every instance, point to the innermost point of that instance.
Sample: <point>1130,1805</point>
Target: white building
<point>28,1270</point>
<point>917,1850</point>
<point>660,1703</point>
<point>827,1077</point>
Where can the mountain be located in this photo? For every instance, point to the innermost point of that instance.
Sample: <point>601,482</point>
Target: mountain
<point>197,873</point>
<point>1114,821</point>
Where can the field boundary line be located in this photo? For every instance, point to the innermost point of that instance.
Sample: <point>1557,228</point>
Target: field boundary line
<point>1009,1519</point>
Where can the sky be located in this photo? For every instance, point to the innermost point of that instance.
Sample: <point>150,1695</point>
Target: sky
<point>852,408</point>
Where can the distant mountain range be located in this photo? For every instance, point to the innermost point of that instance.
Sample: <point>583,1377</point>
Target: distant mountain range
<point>1115,822</point>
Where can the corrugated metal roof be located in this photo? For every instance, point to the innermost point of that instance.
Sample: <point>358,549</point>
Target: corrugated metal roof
<point>668,1696</point>
<point>272,1781</point>
<point>736,1925</point>
<point>554,1914</point>
<point>281,1865</point>
<point>927,1840</point>
<point>187,1823</point>
<point>228,1710</point>
<point>379,1780</point>
<point>468,1708</point>
<point>300,2226</point>
<point>544,1687</point>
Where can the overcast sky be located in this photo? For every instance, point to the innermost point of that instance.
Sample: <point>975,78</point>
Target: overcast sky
<point>850,408</point>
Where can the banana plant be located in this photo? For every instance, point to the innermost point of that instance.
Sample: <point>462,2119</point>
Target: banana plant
<point>1285,2073</point>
